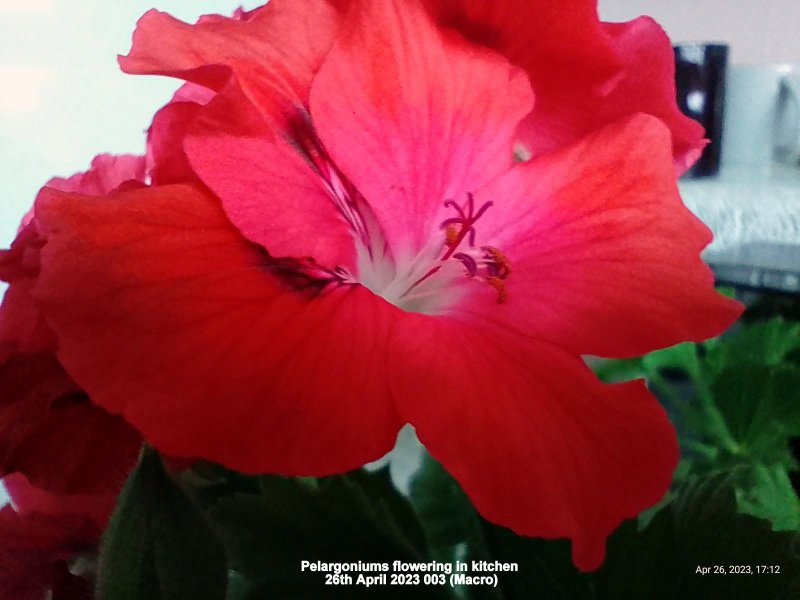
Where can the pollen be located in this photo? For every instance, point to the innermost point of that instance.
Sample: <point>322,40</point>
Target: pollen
<point>452,235</point>
<point>500,260</point>
<point>499,285</point>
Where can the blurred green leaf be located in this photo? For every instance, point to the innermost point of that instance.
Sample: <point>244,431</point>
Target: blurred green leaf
<point>398,511</point>
<point>735,401</point>
<point>444,510</point>
<point>341,519</point>
<point>765,343</point>
<point>613,371</point>
<point>767,492</point>
<point>158,546</point>
<point>761,406</point>
<point>680,357</point>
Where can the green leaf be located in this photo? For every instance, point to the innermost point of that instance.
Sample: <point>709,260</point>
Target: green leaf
<point>613,371</point>
<point>701,528</point>
<point>442,507</point>
<point>341,519</point>
<point>380,489</point>
<point>767,492</point>
<point>681,357</point>
<point>158,546</point>
<point>761,406</point>
<point>697,526</point>
<point>452,526</point>
<point>766,343</point>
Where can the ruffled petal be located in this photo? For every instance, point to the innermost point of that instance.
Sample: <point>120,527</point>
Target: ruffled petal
<point>77,448</point>
<point>537,442</point>
<point>28,386</point>
<point>268,190</point>
<point>570,112</point>
<point>29,500</point>
<point>167,161</point>
<point>22,327</point>
<point>651,90</point>
<point>108,171</point>
<point>273,52</point>
<point>414,117</point>
<point>49,430</point>
<point>167,315</point>
<point>556,46</point>
<point>605,257</point>
<point>39,534</point>
<point>585,73</point>
<point>53,434</point>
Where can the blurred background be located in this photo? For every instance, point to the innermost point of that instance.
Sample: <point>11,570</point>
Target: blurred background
<point>62,97</point>
<point>64,100</point>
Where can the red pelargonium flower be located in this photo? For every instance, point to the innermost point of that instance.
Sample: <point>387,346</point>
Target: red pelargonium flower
<point>369,254</point>
<point>49,430</point>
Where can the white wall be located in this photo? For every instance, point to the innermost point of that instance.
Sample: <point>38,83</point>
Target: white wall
<point>63,98</point>
<point>757,31</point>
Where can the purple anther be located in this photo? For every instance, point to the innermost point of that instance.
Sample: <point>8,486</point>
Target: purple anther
<point>468,262</point>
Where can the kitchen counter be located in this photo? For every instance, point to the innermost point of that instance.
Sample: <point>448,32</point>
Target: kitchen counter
<point>755,216</point>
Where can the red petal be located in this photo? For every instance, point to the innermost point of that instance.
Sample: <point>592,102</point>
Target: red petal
<point>650,90</point>
<point>48,430</point>
<point>41,535</point>
<point>565,114</point>
<point>536,441</point>
<point>22,327</point>
<point>78,448</point>
<point>29,500</point>
<point>414,117</point>
<point>556,46</point>
<point>165,153</point>
<point>166,314</point>
<point>107,172</point>
<point>267,189</point>
<point>28,386</point>
<point>605,256</point>
<point>586,74</point>
<point>273,54</point>
<point>55,436</point>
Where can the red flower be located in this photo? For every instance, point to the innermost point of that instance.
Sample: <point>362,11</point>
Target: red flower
<point>49,430</point>
<point>371,255</point>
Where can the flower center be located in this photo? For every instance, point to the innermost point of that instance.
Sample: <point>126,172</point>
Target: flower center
<point>433,282</point>
<point>429,281</point>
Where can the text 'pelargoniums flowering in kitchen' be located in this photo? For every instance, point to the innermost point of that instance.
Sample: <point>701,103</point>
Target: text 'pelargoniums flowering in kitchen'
<point>351,246</point>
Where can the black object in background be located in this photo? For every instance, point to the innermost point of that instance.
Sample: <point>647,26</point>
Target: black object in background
<point>700,81</point>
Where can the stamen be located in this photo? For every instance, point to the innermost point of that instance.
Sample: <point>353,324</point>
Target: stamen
<point>499,261</point>
<point>499,285</point>
<point>452,235</point>
<point>469,262</point>
<point>488,264</point>
<point>467,217</point>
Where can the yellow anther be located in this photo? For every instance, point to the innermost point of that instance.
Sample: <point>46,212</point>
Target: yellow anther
<point>499,285</point>
<point>452,235</point>
<point>500,259</point>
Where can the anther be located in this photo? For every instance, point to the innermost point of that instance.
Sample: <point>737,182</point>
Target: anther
<point>499,285</point>
<point>452,235</point>
<point>499,261</point>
